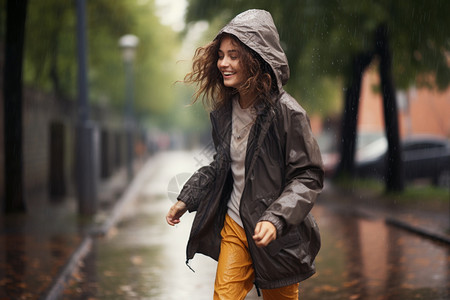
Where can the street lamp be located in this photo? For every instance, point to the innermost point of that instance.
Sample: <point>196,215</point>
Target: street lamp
<point>128,44</point>
<point>87,139</point>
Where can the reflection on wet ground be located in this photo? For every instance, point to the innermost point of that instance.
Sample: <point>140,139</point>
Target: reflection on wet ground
<point>24,261</point>
<point>35,246</point>
<point>366,259</point>
<point>29,261</point>
<point>360,258</point>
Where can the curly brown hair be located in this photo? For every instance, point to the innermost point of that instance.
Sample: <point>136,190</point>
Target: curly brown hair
<point>210,87</point>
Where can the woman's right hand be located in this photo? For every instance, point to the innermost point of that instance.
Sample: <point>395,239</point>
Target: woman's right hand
<point>175,213</point>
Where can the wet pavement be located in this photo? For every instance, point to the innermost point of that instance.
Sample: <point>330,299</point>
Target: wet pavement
<point>29,244</point>
<point>36,246</point>
<point>367,259</point>
<point>145,258</point>
<point>362,257</point>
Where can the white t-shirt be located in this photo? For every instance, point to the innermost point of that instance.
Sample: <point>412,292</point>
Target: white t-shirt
<point>242,122</point>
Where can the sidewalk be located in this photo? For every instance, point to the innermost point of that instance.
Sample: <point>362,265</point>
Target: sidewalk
<point>40,249</point>
<point>429,222</point>
<point>37,257</point>
<point>361,256</point>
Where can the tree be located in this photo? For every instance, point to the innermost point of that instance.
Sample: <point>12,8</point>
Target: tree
<point>50,63</point>
<point>12,94</point>
<point>50,53</point>
<point>401,33</point>
<point>39,42</point>
<point>339,39</point>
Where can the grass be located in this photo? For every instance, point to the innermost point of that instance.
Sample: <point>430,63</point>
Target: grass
<point>414,194</point>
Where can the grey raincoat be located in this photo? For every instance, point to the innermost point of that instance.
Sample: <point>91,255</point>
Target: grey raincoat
<point>283,170</point>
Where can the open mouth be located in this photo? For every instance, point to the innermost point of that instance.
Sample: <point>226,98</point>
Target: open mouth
<point>228,74</point>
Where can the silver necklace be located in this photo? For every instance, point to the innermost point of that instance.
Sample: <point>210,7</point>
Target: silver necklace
<point>241,132</point>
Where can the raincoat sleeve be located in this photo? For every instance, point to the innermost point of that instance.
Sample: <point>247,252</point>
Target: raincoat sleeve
<point>303,174</point>
<point>198,185</point>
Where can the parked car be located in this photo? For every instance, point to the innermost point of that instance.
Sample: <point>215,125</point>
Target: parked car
<point>329,148</point>
<point>330,155</point>
<point>424,157</point>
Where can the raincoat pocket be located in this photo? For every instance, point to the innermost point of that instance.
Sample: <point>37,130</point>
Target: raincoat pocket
<point>291,239</point>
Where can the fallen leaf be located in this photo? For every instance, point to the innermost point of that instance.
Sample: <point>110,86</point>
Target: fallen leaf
<point>351,283</point>
<point>136,260</point>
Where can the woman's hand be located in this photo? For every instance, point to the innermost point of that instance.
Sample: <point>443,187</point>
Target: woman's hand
<point>175,213</point>
<point>265,232</point>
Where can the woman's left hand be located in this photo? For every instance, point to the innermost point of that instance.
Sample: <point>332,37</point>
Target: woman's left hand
<point>265,232</point>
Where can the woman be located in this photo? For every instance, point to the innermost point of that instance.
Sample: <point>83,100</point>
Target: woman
<point>253,200</point>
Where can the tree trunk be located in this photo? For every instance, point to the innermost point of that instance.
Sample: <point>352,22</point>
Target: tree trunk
<point>350,115</point>
<point>394,178</point>
<point>12,92</point>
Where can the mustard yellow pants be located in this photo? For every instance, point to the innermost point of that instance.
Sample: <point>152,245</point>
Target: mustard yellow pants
<point>235,274</point>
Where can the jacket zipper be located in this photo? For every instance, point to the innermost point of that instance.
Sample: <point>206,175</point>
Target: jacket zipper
<point>264,128</point>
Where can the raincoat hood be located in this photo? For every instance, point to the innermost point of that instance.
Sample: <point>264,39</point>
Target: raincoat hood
<point>256,29</point>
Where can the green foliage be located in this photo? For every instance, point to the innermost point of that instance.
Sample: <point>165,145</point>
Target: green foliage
<point>49,46</point>
<point>155,72</point>
<point>321,37</point>
<point>107,22</point>
<point>415,194</point>
<point>50,52</point>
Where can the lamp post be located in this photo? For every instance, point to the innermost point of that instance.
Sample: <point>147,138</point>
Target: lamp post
<point>128,44</point>
<point>87,140</point>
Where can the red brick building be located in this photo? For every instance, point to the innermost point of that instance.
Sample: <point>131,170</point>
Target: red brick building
<point>421,111</point>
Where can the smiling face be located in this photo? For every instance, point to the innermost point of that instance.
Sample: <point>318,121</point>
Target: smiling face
<point>229,63</point>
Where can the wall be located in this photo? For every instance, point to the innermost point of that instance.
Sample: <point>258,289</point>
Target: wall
<point>421,111</point>
<point>53,173</point>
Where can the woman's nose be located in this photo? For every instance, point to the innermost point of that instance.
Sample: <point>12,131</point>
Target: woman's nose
<point>223,62</point>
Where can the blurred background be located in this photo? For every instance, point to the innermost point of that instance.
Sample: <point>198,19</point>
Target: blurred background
<point>324,41</point>
<point>92,90</point>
